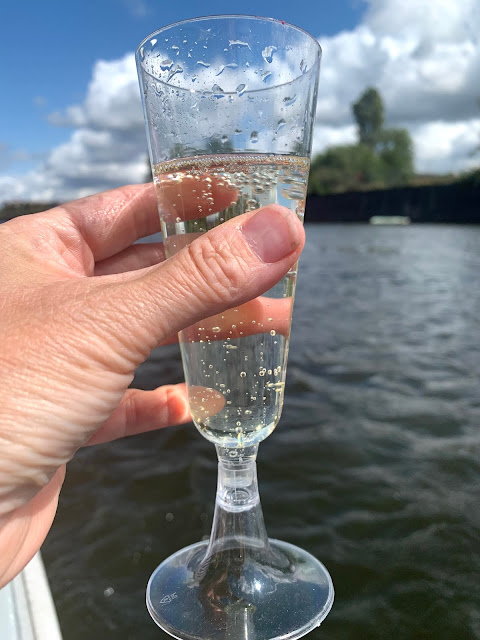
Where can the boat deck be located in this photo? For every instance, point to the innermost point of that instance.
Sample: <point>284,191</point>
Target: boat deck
<point>27,611</point>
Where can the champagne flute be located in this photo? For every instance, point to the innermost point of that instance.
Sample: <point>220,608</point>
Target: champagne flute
<point>229,105</point>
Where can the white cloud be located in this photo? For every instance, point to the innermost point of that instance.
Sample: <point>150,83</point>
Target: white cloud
<point>11,189</point>
<point>423,57</point>
<point>456,141</point>
<point>106,149</point>
<point>112,101</point>
<point>40,101</point>
<point>330,136</point>
<point>137,8</point>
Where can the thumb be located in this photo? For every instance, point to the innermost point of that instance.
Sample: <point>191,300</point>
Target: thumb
<point>229,265</point>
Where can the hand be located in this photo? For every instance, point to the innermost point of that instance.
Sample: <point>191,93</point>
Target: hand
<point>80,309</point>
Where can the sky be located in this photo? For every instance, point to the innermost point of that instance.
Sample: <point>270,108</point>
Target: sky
<point>70,116</point>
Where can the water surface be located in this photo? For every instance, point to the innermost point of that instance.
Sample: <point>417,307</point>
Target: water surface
<point>374,467</point>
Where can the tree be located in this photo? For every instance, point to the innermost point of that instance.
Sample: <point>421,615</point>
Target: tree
<point>368,112</point>
<point>215,145</point>
<point>395,150</point>
<point>148,171</point>
<point>381,157</point>
<point>344,168</point>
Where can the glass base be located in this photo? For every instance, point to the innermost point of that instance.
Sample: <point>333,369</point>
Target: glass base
<point>240,592</point>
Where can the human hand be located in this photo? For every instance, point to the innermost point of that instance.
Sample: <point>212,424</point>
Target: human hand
<point>80,309</point>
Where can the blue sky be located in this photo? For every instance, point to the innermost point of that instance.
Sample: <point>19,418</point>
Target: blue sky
<point>70,116</point>
<point>48,50</point>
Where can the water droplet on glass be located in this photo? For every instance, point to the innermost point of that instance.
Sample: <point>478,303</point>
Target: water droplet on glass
<point>293,193</point>
<point>204,64</point>
<point>303,66</point>
<point>178,69</point>
<point>216,329</point>
<point>224,139</point>
<point>231,65</point>
<point>287,101</point>
<point>242,374</point>
<point>267,53</point>
<point>153,42</point>
<point>273,332</point>
<point>222,69</point>
<point>266,75</point>
<point>194,78</point>
<point>280,125</point>
<point>166,64</point>
<point>217,91</point>
<point>238,43</point>
<point>238,131</point>
<point>254,137</point>
<point>240,89</point>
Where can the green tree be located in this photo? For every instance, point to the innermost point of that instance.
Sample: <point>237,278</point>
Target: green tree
<point>395,151</point>
<point>215,144</point>
<point>148,171</point>
<point>345,168</point>
<point>368,113</point>
<point>381,157</point>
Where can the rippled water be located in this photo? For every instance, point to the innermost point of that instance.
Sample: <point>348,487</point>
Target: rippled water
<point>374,468</point>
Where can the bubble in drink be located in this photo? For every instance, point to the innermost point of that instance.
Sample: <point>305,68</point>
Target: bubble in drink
<point>234,362</point>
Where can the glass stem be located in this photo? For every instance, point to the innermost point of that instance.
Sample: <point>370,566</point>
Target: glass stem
<point>238,530</point>
<point>238,541</point>
<point>238,519</point>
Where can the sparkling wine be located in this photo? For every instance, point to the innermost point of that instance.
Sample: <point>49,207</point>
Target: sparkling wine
<point>235,362</point>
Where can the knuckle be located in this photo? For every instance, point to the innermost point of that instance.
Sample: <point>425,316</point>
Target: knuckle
<point>25,471</point>
<point>130,410</point>
<point>222,271</point>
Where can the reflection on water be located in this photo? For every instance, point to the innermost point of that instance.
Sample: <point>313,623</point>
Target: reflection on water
<point>374,468</point>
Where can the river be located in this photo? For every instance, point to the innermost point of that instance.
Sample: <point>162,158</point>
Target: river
<point>374,467</point>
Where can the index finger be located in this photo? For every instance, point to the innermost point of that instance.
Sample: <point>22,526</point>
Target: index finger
<point>110,222</point>
<point>187,197</point>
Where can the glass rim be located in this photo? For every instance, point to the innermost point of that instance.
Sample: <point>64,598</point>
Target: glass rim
<point>223,16</point>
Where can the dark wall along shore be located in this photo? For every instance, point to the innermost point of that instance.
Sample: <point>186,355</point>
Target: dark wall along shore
<point>455,203</point>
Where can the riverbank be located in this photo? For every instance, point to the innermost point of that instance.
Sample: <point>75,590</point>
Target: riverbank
<point>454,203</point>
<point>374,467</point>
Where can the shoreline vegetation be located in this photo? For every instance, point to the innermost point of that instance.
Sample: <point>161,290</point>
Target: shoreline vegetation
<point>435,199</point>
<point>374,177</point>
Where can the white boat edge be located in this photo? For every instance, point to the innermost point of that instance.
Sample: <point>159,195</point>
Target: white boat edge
<point>27,610</point>
<point>390,220</point>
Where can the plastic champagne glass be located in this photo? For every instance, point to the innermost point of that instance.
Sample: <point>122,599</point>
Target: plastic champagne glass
<point>229,105</point>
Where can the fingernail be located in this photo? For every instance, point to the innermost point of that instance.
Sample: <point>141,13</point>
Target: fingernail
<point>272,233</point>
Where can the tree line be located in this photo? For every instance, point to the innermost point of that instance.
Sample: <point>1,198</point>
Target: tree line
<point>382,157</point>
